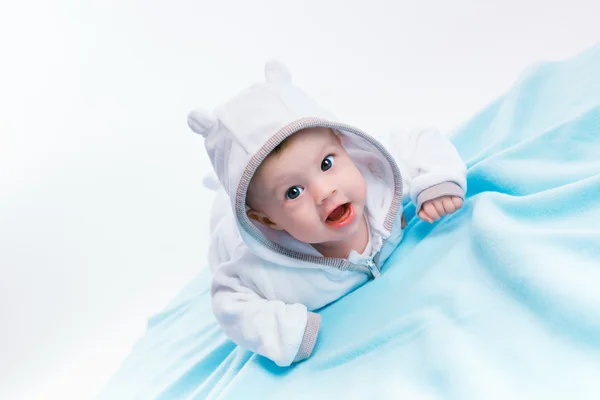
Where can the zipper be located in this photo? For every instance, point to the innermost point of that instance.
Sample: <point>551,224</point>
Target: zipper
<point>373,268</point>
<point>376,257</point>
<point>371,262</point>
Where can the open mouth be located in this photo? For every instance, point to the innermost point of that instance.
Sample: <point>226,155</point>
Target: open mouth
<point>341,216</point>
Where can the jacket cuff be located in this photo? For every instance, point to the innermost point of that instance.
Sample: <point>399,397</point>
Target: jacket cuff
<point>313,323</point>
<point>439,190</point>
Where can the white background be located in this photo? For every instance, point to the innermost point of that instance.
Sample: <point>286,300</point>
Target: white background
<point>102,214</point>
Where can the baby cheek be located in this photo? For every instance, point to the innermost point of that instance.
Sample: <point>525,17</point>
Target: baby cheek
<point>360,186</point>
<point>303,223</point>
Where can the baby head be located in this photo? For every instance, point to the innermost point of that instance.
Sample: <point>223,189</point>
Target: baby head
<point>309,187</point>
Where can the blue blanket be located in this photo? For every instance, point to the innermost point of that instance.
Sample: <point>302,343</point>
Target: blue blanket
<point>501,300</point>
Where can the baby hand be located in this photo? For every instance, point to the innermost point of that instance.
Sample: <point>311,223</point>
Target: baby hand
<point>435,209</point>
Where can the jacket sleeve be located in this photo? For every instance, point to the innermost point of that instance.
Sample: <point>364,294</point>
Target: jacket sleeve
<point>284,333</point>
<point>430,165</point>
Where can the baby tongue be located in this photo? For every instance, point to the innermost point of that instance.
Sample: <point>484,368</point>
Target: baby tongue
<point>336,214</point>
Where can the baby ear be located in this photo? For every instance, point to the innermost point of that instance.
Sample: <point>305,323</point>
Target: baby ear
<point>262,218</point>
<point>276,72</point>
<point>202,122</point>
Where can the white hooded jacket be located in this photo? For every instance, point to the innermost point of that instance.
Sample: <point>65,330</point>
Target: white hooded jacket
<point>266,284</point>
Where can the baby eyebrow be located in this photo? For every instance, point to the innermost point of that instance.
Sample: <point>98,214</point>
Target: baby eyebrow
<point>278,186</point>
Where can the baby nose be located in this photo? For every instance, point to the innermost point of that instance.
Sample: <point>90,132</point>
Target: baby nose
<point>323,192</point>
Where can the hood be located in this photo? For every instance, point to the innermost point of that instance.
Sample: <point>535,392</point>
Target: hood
<point>241,133</point>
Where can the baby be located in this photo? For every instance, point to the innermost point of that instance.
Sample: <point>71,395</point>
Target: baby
<point>316,209</point>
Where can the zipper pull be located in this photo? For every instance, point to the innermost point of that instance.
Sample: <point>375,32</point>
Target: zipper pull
<point>373,268</point>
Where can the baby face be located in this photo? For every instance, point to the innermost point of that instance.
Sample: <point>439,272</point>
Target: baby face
<point>311,189</point>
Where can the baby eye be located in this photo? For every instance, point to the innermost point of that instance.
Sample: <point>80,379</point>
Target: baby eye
<point>293,192</point>
<point>327,162</point>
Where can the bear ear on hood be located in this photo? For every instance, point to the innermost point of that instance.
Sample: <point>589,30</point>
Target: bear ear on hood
<point>202,122</point>
<point>276,72</point>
